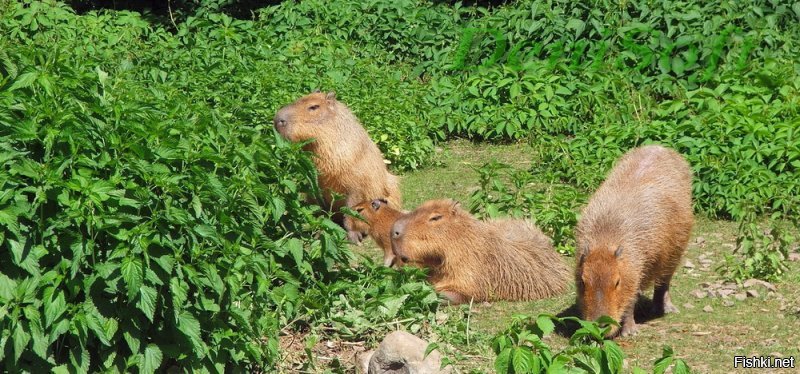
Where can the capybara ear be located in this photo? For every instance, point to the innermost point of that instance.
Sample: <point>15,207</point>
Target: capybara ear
<point>317,90</point>
<point>618,252</point>
<point>331,95</point>
<point>455,206</point>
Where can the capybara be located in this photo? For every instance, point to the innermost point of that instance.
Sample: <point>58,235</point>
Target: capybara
<point>377,223</point>
<point>479,260</point>
<point>632,234</point>
<point>347,160</point>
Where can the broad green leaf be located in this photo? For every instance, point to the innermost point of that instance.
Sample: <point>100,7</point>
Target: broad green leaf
<point>147,301</point>
<point>133,275</point>
<point>21,339</point>
<point>151,359</point>
<point>190,327</point>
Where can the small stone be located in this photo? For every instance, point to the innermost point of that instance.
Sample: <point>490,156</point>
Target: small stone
<point>708,309</point>
<point>725,292</point>
<point>752,282</point>
<point>688,306</point>
<point>699,294</point>
<point>362,361</point>
<point>770,294</point>
<point>688,264</point>
<point>701,333</point>
<point>730,286</point>
<point>752,293</point>
<point>727,303</point>
<point>711,294</point>
<point>794,257</point>
<point>740,296</point>
<point>700,240</point>
<point>401,352</point>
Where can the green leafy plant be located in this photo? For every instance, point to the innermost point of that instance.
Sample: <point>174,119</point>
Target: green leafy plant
<point>506,192</point>
<point>521,348</point>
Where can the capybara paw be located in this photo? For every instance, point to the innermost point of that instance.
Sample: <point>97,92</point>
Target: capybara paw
<point>629,329</point>
<point>354,237</point>
<point>670,308</point>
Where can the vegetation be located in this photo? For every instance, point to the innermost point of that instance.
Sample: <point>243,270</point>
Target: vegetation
<point>150,217</point>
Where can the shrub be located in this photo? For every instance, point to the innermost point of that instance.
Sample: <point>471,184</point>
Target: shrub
<point>521,349</point>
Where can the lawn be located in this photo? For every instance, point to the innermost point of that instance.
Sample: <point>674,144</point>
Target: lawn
<point>707,333</point>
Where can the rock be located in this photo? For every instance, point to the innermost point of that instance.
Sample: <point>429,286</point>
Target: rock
<point>362,361</point>
<point>700,240</point>
<point>727,303</point>
<point>770,294</point>
<point>752,293</point>
<point>701,333</point>
<point>688,306</point>
<point>725,292</point>
<point>794,257</point>
<point>752,282</point>
<point>402,353</point>
<point>730,286</point>
<point>699,294</point>
<point>708,309</point>
<point>688,264</point>
<point>740,296</point>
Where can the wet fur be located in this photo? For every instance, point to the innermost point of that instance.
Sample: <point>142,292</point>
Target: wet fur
<point>480,260</point>
<point>644,210</point>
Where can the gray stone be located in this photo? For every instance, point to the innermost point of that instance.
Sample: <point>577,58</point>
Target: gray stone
<point>752,293</point>
<point>699,294</point>
<point>362,361</point>
<point>727,303</point>
<point>752,282</point>
<point>708,309</point>
<point>740,296</point>
<point>402,353</point>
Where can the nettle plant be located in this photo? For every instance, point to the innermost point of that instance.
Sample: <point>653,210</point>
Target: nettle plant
<point>522,348</point>
<point>518,193</point>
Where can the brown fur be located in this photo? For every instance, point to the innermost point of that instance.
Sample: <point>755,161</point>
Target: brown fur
<point>633,233</point>
<point>480,260</point>
<point>349,163</point>
<point>377,223</point>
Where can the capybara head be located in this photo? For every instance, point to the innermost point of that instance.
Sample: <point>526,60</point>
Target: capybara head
<point>367,210</point>
<point>421,236</point>
<point>601,283</point>
<point>307,117</point>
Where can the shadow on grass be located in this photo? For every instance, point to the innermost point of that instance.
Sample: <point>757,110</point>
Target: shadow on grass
<point>642,314</point>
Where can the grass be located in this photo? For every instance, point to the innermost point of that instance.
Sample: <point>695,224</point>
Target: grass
<point>708,341</point>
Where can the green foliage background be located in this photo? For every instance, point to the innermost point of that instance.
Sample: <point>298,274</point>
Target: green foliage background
<point>150,216</point>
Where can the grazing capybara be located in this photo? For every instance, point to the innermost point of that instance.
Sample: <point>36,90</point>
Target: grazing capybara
<point>377,223</point>
<point>347,160</point>
<point>479,260</point>
<point>632,234</point>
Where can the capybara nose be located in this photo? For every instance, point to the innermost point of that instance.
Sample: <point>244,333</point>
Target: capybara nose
<point>404,258</point>
<point>279,121</point>
<point>396,234</point>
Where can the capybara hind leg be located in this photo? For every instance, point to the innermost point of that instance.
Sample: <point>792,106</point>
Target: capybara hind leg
<point>662,303</point>
<point>454,297</point>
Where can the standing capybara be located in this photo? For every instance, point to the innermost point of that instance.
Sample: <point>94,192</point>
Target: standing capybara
<point>632,234</point>
<point>348,162</point>
<point>480,260</point>
<point>377,223</point>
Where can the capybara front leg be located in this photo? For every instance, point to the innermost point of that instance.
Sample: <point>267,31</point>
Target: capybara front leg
<point>662,303</point>
<point>629,326</point>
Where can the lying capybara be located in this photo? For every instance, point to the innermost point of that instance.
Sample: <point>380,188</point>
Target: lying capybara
<point>479,260</point>
<point>377,223</point>
<point>348,162</point>
<point>632,234</point>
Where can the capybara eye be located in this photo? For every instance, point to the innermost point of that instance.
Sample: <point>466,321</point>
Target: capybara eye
<point>617,285</point>
<point>359,210</point>
<point>436,217</point>
<point>313,107</point>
